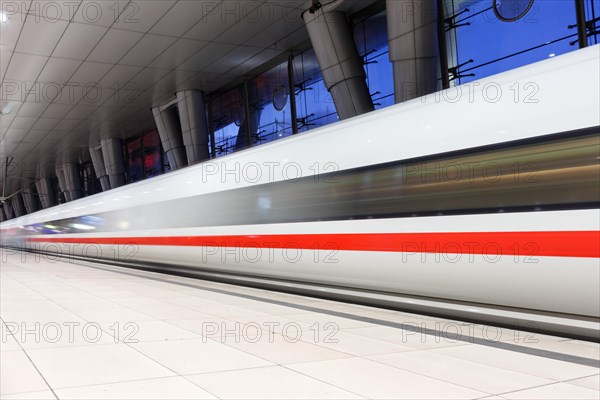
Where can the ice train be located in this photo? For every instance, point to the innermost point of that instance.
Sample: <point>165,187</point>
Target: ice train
<point>480,202</point>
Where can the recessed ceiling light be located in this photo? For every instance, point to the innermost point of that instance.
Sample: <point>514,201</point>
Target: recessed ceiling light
<point>3,17</point>
<point>7,109</point>
<point>551,55</point>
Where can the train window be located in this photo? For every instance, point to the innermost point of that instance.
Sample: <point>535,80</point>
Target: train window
<point>554,173</point>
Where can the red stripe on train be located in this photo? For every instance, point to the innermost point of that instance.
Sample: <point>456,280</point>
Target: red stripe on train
<point>549,244</point>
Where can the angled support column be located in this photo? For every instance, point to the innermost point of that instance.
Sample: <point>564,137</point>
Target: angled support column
<point>8,210</point>
<point>17,205</point>
<point>44,187</point>
<point>114,161</point>
<point>30,198</point>
<point>341,65</point>
<point>3,215</point>
<point>169,130</point>
<point>72,181</point>
<point>194,125</point>
<point>99,168</point>
<point>413,44</point>
<point>46,192</point>
<point>61,182</point>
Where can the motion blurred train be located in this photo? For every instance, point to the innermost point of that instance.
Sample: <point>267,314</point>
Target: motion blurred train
<point>479,203</point>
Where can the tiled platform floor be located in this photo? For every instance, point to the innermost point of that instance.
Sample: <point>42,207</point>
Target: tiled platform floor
<point>90,331</point>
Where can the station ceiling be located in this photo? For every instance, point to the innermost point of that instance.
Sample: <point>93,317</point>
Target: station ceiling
<point>74,71</point>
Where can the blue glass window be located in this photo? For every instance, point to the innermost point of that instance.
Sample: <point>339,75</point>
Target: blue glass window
<point>592,16</point>
<point>372,43</point>
<point>269,98</point>
<point>547,30</point>
<point>228,116</point>
<point>314,104</point>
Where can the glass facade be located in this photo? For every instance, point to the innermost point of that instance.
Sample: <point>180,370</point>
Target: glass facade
<point>152,154</point>
<point>592,16</point>
<point>270,105</point>
<point>315,106</point>
<point>228,118</point>
<point>144,157</point>
<point>135,167</point>
<point>480,42</point>
<point>372,42</point>
<point>483,44</point>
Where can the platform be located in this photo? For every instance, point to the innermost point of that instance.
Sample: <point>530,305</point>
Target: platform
<point>75,330</point>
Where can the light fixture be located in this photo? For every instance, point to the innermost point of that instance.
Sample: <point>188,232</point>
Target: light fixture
<point>7,109</point>
<point>3,17</point>
<point>551,55</point>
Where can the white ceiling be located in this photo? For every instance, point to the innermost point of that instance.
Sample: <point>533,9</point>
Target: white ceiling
<point>153,49</point>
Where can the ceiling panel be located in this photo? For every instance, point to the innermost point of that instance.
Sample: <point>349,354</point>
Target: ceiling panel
<point>282,35</point>
<point>181,17</point>
<point>171,80</point>
<point>90,72</point>
<point>45,124</point>
<point>147,77</point>
<point>67,124</point>
<point>33,110</point>
<point>23,122</point>
<point>78,41</point>
<point>233,59</point>
<point>24,67</point>
<point>177,53</point>
<point>15,134</point>
<point>37,135</point>
<point>99,13</point>
<point>39,37</point>
<point>51,12</point>
<point>247,27</point>
<point>206,80</point>
<point>80,111</point>
<point>147,49</point>
<point>117,77</point>
<point>114,45</point>
<point>214,24</point>
<point>56,110</point>
<point>209,55</point>
<point>254,62</point>
<point>4,61</point>
<point>58,70</point>
<point>140,16</point>
<point>9,31</point>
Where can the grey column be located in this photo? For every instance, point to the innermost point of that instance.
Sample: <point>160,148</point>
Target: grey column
<point>2,214</point>
<point>30,198</point>
<point>169,130</point>
<point>72,180</point>
<point>341,65</point>
<point>99,168</point>
<point>413,45</point>
<point>61,182</point>
<point>194,125</point>
<point>17,205</point>
<point>114,161</point>
<point>8,210</point>
<point>46,192</point>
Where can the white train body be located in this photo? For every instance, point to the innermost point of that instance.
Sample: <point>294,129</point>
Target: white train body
<point>504,260</point>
